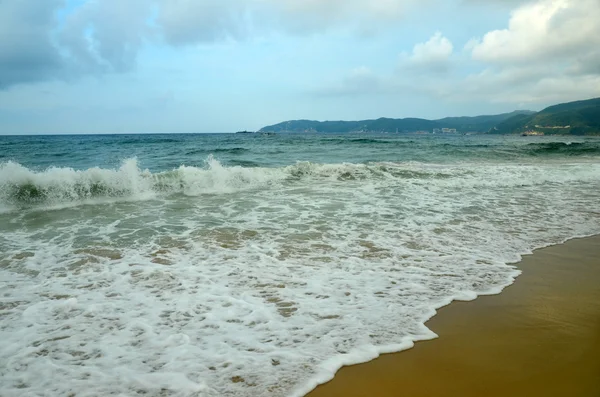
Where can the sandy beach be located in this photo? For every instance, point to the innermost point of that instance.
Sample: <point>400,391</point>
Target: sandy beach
<point>540,337</point>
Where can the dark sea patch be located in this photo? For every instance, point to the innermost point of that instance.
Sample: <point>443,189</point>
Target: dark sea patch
<point>59,154</point>
<point>244,163</point>
<point>563,148</point>
<point>207,151</point>
<point>369,141</point>
<point>197,151</point>
<point>146,141</point>
<point>463,146</point>
<point>234,150</point>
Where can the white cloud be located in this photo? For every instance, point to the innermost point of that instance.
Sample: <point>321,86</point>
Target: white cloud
<point>542,31</point>
<point>550,52</point>
<point>437,49</point>
<point>434,54</point>
<point>527,85</point>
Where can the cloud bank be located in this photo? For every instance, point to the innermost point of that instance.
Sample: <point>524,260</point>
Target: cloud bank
<point>549,52</point>
<point>106,36</point>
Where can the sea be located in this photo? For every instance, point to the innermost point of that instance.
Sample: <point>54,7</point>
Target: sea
<point>257,264</point>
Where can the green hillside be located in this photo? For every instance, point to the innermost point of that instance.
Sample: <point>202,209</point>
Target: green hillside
<point>480,123</point>
<point>461,124</point>
<point>314,126</point>
<point>576,118</point>
<point>573,118</point>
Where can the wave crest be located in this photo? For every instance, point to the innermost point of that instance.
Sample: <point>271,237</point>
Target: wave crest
<point>20,186</point>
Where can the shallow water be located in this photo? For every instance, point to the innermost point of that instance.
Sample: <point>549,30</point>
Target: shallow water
<point>215,265</point>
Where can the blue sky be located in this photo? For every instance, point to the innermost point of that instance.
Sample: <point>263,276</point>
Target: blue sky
<point>115,66</point>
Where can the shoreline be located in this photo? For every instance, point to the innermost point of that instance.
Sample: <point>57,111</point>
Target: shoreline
<point>541,302</point>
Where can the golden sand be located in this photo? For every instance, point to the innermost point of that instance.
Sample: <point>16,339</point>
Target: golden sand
<point>540,337</point>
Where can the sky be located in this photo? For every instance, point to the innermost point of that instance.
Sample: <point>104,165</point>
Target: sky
<point>155,66</point>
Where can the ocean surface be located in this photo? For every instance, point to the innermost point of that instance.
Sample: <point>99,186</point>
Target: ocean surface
<point>251,265</point>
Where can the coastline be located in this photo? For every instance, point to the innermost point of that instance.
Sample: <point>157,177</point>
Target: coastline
<point>540,336</point>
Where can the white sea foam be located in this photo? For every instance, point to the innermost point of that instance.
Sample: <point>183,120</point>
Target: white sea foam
<point>230,281</point>
<point>57,187</point>
<point>63,186</point>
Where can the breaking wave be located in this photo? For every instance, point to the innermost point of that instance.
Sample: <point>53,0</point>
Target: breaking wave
<point>272,278</point>
<point>22,187</point>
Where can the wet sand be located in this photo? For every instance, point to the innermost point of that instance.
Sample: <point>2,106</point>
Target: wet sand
<point>540,337</point>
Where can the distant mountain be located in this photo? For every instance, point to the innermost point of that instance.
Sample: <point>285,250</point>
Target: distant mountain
<point>461,124</point>
<point>480,123</point>
<point>315,126</point>
<point>574,118</point>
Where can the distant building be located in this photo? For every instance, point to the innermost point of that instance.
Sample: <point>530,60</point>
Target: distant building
<point>532,133</point>
<point>553,127</point>
<point>449,130</point>
<point>436,130</point>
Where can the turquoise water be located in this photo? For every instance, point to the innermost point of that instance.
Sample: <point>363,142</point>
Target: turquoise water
<point>257,265</point>
<point>168,151</point>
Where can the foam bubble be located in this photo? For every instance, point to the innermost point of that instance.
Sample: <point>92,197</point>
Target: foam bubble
<point>260,282</point>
